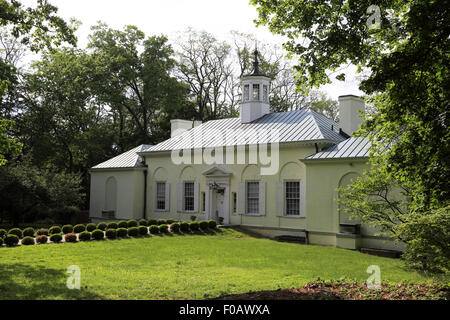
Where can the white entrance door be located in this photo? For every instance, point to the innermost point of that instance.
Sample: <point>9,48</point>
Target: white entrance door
<point>220,212</point>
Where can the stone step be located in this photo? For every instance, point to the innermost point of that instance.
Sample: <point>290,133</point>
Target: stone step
<point>293,239</point>
<point>381,252</point>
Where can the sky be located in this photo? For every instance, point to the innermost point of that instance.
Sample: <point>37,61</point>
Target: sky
<point>169,17</point>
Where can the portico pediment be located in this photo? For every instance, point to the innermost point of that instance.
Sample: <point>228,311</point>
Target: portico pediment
<point>217,171</point>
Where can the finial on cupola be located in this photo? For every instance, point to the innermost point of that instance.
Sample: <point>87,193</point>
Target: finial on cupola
<point>255,62</point>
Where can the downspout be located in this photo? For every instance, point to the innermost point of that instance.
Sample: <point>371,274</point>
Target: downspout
<point>145,194</point>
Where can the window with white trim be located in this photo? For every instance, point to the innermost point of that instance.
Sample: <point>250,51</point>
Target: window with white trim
<point>255,91</point>
<point>292,198</point>
<point>252,197</point>
<point>246,92</point>
<point>188,196</point>
<point>161,196</point>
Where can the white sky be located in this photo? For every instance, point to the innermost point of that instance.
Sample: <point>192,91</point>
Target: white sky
<point>168,17</point>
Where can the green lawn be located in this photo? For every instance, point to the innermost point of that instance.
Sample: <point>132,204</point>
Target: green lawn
<point>182,267</point>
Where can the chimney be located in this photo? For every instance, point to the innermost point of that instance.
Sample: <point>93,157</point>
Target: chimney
<point>351,108</point>
<point>178,126</point>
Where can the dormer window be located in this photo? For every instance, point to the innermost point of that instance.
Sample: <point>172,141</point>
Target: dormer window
<point>246,92</point>
<point>256,92</point>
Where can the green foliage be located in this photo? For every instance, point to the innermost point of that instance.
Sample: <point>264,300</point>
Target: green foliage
<point>56,238</point>
<point>122,224</point>
<point>84,236</point>
<point>112,225</point>
<point>54,230</point>
<point>170,221</point>
<point>162,221</point>
<point>70,237</point>
<point>42,232</point>
<point>152,222</point>
<point>194,226</point>
<point>16,231</point>
<point>3,233</point>
<point>111,233</point>
<point>8,146</point>
<point>79,228</point>
<point>184,226</point>
<point>143,222</point>
<point>11,240</point>
<point>154,229</point>
<point>28,232</point>
<point>143,230</point>
<point>133,231</point>
<point>91,227</point>
<point>212,224</point>
<point>26,241</point>
<point>98,234</point>
<point>42,239</point>
<point>122,232</point>
<point>132,223</point>
<point>1,242</point>
<point>102,226</point>
<point>66,214</point>
<point>68,228</point>
<point>203,225</point>
<point>164,228</point>
<point>175,227</point>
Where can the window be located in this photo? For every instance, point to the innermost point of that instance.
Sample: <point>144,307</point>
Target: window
<point>264,93</point>
<point>203,202</point>
<point>292,198</point>
<point>161,196</point>
<point>234,202</point>
<point>188,196</point>
<point>253,197</point>
<point>256,92</point>
<point>246,92</point>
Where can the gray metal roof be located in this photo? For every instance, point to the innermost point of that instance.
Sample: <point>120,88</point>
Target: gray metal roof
<point>128,159</point>
<point>291,126</point>
<point>350,148</point>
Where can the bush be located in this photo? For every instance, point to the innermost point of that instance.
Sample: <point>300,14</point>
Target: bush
<point>203,224</point>
<point>42,232</point>
<point>194,226</point>
<point>164,228</point>
<point>132,223</point>
<point>84,236</point>
<point>102,226</point>
<point>91,227</point>
<point>111,233</point>
<point>11,240</point>
<point>70,237</point>
<point>162,221</point>
<point>79,228</point>
<point>122,224</point>
<point>68,228</point>
<point>55,230</point>
<point>16,231</point>
<point>28,232</point>
<point>152,222</point>
<point>56,238</point>
<point>1,241</point>
<point>175,227</point>
<point>184,226</point>
<point>143,222</point>
<point>27,241</point>
<point>154,229</point>
<point>42,239</point>
<point>133,232</point>
<point>98,234</point>
<point>212,224</point>
<point>3,233</point>
<point>143,230</point>
<point>122,232</point>
<point>112,225</point>
<point>170,221</point>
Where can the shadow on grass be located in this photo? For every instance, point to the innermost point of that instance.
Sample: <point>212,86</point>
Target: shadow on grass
<point>24,282</point>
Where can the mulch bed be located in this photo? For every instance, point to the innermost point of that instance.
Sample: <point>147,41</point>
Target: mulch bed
<point>349,291</point>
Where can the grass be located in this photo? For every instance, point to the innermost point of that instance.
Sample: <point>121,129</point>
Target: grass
<point>183,267</point>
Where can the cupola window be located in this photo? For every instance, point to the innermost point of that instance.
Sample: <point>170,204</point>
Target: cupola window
<point>256,92</point>
<point>246,92</point>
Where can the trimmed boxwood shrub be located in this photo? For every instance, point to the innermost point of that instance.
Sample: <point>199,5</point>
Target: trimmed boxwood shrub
<point>42,239</point>
<point>154,229</point>
<point>133,232</point>
<point>102,226</point>
<point>122,232</point>
<point>143,222</point>
<point>111,233</point>
<point>143,230</point>
<point>175,227</point>
<point>56,238</point>
<point>162,221</point>
<point>194,226</point>
<point>111,225</point>
<point>16,231</point>
<point>28,232</point>
<point>132,223</point>
<point>84,236</point>
<point>184,226</point>
<point>3,233</point>
<point>27,241</point>
<point>42,232</point>
<point>170,221</point>
<point>68,228</point>
<point>79,228</point>
<point>164,228</point>
<point>98,234</point>
<point>91,227</point>
<point>152,222</point>
<point>122,224</point>
<point>203,224</point>
<point>70,237</point>
<point>11,240</point>
<point>212,224</point>
<point>54,230</point>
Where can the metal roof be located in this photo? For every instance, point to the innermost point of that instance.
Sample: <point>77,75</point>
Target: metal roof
<point>128,159</point>
<point>292,126</point>
<point>350,148</point>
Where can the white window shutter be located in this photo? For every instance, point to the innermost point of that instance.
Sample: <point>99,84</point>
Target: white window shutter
<point>180,197</point>
<point>262,197</point>
<point>196,196</point>
<point>241,198</point>
<point>302,198</point>
<point>207,192</point>
<point>167,197</point>
<point>280,199</point>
